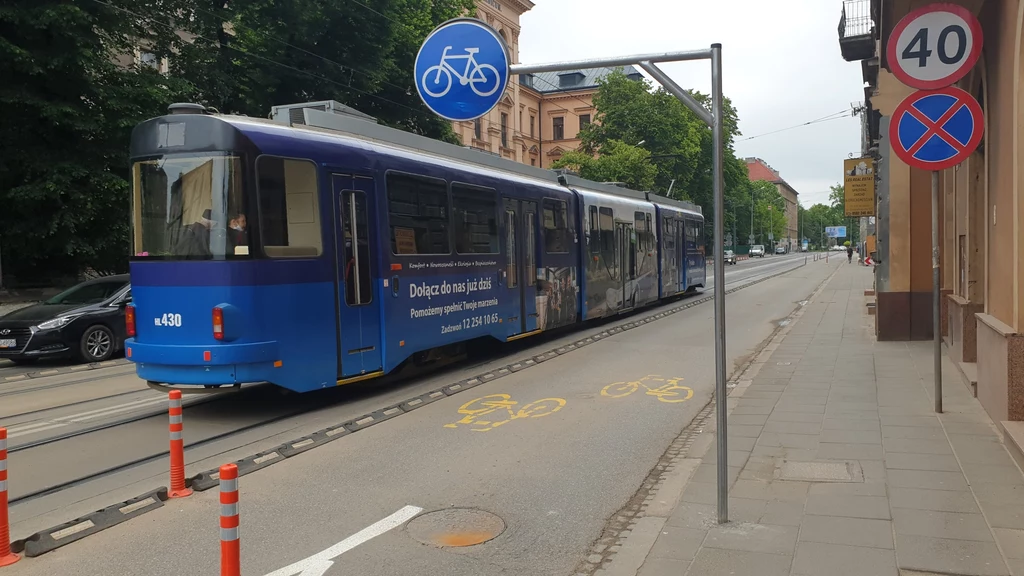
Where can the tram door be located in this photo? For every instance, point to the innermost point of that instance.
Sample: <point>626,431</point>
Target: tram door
<point>519,277</point>
<point>626,242</point>
<point>359,349</point>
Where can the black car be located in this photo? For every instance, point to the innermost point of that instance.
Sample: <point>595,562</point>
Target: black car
<point>85,322</point>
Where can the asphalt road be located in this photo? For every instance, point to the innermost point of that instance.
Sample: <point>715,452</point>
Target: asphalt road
<point>554,479</point>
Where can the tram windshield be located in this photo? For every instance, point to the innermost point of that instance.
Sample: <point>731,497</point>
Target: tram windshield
<point>189,207</point>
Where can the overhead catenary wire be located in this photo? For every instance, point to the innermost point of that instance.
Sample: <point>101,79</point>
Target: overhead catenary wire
<point>828,118</point>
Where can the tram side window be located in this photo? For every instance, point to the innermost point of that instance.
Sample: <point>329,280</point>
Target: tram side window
<point>556,227</point>
<point>608,252</point>
<point>418,213</point>
<point>476,225</point>
<point>650,233</point>
<point>289,208</point>
<point>639,228</point>
<point>595,232</point>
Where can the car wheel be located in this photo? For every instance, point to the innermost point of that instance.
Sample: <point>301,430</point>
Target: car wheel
<point>97,344</point>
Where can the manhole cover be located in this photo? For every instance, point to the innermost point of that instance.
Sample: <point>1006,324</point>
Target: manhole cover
<point>456,527</point>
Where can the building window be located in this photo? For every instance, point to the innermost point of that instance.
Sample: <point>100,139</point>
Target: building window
<point>289,207</point>
<point>584,120</point>
<point>556,227</point>
<point>558,128</point>
<point>418,213</point>
<point>533,161</point>
<point>504,130</point>
<point>531,126</point>
<point>478,129</point>
<point>476,219</point>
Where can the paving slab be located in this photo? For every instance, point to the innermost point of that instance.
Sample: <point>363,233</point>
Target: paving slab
<point>851,472</point>
<point>847,531</point>
<point>948,556</point>
<point>818,559</point>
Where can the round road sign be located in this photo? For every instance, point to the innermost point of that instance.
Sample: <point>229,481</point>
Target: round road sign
<point>936,129</point>
<point>934,46</point>
<point>462,69</point>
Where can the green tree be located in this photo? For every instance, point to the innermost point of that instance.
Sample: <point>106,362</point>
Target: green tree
<point>69,109</point>
<point>680,144</point>
<point>71,96</point>
<point>617,162</point>
<point>248,56</point>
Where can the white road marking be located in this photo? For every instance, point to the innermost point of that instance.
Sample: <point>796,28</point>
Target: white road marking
<point>52,424</point>
<point>319,564</point>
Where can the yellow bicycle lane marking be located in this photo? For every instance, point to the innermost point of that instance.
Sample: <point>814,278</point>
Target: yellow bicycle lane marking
<point>477,412</point>
<point>669,391</point>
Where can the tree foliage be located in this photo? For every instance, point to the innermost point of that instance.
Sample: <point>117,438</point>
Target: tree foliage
<point>72,91</point>
<point>616,162</point>
<point>634,113</point>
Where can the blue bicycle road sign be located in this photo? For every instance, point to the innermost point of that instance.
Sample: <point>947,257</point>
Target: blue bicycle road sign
<point>936,129</point>
<point>462,69</point>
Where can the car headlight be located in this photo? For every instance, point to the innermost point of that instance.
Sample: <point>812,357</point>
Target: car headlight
<point>56,323</point>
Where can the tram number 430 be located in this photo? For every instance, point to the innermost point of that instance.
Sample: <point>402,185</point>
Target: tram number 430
<point>168,320</point>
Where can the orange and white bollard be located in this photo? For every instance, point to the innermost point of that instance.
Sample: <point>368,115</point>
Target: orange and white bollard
<point>178,489</point>
<point>6,556</point>
<point>230,550</point>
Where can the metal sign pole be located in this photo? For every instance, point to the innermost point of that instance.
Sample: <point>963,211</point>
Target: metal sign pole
<point>450,100</point>
<point>721,404</point>
<point>936,325</point>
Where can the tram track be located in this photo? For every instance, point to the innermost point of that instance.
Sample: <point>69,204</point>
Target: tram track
<point>255,416</point>
<point>43,386</point>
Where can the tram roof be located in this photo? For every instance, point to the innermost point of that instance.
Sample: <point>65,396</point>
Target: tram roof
<point>363,127</point>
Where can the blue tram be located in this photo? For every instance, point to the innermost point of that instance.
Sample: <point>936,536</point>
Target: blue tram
<point>319,248</point>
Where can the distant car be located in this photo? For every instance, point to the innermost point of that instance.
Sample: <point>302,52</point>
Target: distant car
<point>730,257</point>
<point>757,250</point>
<point>85,322</point>
<point>780,249</point>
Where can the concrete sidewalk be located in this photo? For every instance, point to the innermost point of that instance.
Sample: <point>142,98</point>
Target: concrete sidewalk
<point>839,466</point>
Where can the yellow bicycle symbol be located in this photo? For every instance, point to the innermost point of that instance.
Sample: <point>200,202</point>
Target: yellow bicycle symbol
<point>476,409</point>
<point>670,392</point>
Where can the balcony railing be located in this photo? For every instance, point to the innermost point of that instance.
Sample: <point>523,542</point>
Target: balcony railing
<point>856,30</point>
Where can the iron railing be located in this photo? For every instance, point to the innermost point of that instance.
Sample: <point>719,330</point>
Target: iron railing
<point>856,19</point>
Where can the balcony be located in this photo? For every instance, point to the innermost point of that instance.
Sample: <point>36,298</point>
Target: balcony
<point>857,30</point>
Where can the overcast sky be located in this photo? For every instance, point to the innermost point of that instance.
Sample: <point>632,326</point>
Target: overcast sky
<point>781,60</point>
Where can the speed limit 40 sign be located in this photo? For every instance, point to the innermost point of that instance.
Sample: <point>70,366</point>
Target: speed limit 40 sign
<point>934,46</point>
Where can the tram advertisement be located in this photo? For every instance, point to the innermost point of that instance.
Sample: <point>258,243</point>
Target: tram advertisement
<point>459,301</point>
<point>472,299</point>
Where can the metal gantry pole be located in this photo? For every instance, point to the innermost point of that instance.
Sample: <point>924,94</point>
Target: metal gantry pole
<point>936,324</point>
<point>721,402</point>
<point>715,121</point>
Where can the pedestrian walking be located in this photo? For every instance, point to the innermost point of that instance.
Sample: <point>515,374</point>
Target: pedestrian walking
<point>849,254</point>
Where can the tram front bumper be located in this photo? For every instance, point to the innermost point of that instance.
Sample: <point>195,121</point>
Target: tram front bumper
<point>218,364</point>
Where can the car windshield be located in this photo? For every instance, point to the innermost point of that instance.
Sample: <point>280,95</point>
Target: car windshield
<point>88,293</point>
<point>728,252</point>
<point>189,207</point>
<point>757,247</point>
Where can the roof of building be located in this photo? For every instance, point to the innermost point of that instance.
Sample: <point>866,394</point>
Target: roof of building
<point>760,170</point>
<point>582,79</point>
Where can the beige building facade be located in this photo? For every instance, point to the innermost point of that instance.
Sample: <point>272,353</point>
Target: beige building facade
<point>540,116</point>
<point>758,169</point>
<point>981,206</point>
